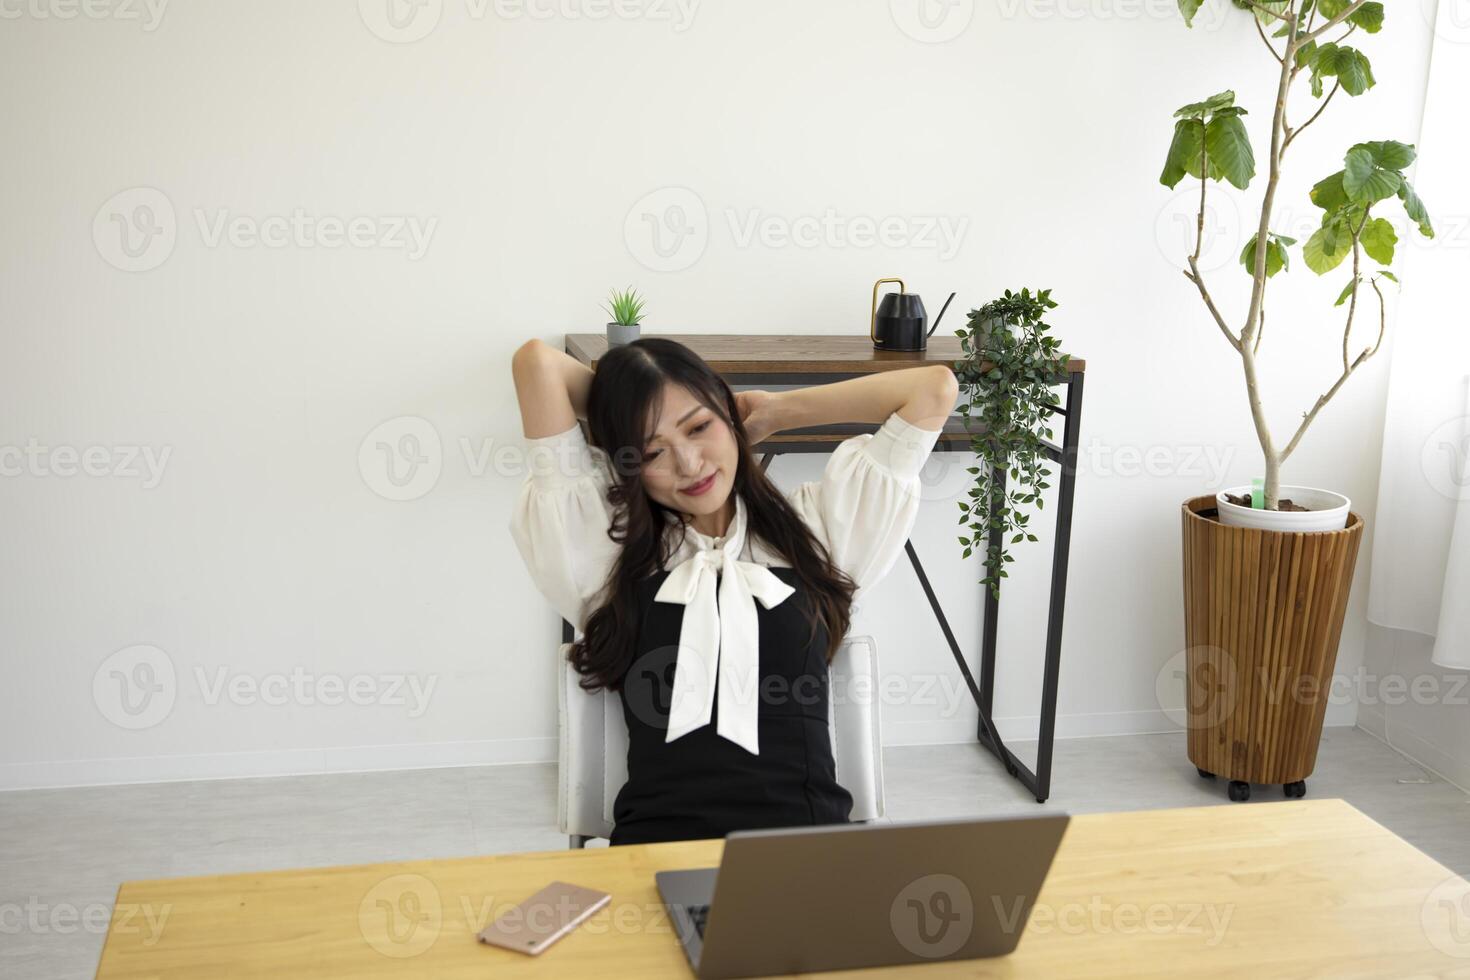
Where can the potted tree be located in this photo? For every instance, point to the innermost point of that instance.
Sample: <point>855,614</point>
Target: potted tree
<point>1268,568</point>
<point>626,310</point>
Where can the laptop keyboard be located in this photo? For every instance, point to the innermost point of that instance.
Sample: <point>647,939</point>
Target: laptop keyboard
<point>699,913</point>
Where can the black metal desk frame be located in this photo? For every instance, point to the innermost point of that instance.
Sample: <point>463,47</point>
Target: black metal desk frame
<point>956,438</point>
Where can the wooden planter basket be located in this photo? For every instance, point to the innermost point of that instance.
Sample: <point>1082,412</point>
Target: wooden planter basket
<point>1263,613</point>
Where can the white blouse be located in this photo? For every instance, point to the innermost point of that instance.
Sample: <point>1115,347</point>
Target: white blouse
<point>862,509</point>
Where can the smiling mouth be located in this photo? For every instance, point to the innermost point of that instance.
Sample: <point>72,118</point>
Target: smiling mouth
<point>701,486</point>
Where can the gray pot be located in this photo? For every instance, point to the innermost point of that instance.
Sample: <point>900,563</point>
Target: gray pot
<point>621,333</point>
<point>986,328</point>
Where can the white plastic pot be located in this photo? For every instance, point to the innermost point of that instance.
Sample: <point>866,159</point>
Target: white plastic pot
<point>1328,511</point>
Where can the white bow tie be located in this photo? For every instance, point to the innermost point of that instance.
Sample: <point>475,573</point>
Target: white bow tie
<point>724,637</point>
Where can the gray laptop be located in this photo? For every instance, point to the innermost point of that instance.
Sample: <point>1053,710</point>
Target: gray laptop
<point>847,896</point>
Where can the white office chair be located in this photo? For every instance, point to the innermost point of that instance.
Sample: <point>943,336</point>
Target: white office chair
<point>593,760</point>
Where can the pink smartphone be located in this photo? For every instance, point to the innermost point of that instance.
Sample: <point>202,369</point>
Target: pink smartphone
<point>545,917</point>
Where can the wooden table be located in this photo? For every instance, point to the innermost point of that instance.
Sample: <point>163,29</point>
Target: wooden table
<point>810,359</point>
<point>1286,889</point>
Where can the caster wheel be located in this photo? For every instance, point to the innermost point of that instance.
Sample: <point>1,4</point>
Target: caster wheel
<point>1296,790</point>
<point>1204,773</point>
<point>1239,791</point>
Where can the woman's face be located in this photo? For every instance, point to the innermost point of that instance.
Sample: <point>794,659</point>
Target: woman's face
<point>690,445</point>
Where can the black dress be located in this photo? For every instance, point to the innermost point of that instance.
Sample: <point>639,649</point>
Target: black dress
<point>704,785</point>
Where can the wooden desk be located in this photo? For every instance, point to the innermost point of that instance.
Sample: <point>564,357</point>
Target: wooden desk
<point>1293,888</point>
<point>809,359</point>
<point>817,355</point>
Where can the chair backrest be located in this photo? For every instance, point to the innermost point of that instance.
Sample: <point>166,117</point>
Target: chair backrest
<point>592,762</point>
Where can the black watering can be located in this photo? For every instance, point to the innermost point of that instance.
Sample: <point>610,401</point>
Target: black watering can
<point>899,322</point>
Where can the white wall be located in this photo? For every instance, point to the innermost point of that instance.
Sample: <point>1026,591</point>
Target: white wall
<point>518,145</point>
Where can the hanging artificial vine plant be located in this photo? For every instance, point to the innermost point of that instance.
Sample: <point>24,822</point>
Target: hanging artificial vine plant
<point>1006,375</point>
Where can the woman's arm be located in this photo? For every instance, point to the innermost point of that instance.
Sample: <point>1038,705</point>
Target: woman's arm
<point>551,387</point>
<point>924,396</point>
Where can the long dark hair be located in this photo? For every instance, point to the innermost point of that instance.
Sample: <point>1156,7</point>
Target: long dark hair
<point>626,391</point>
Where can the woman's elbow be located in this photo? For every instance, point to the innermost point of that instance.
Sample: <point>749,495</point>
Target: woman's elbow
<point>529,354</point>
<point>938,393</point>
<point>946,386</point>
<point>533,363</point>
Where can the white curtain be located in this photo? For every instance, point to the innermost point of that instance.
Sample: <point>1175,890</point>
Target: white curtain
<point>1421,542</point>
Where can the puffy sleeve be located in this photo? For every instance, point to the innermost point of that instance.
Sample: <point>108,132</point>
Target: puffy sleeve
<point>868,497</point>
<point>560,520</point>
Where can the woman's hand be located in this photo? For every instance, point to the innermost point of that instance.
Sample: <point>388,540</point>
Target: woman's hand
<point>760,413</point>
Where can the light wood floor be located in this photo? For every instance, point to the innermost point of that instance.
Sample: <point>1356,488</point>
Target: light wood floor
<point>64,852</point>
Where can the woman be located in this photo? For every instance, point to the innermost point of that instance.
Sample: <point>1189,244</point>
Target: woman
<point>709,599</point>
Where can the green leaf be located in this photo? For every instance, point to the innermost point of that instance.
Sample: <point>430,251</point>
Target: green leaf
<point>1322,254</point>
<point>1276,256</point>
<point>1189,8</point>
<point>1354,71</point>
<point>1276,251</point>
<point>1184,152</point>
<point>1274,6</point>
<point>1349,65</point>
<point>1331,8</point>
<point>1385,274</point>
<point>1365,181</point>
<point>1369,17</point>
<point>1216,102</point>
<point>1328,194</point>
<point>1414,208</point>
<point>1378,239</point>
<point>1347,290</point>
<point>1389,154</point>
<point>1229,146</point>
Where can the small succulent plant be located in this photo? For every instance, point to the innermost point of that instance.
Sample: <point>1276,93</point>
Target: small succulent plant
<point>625,307</point>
